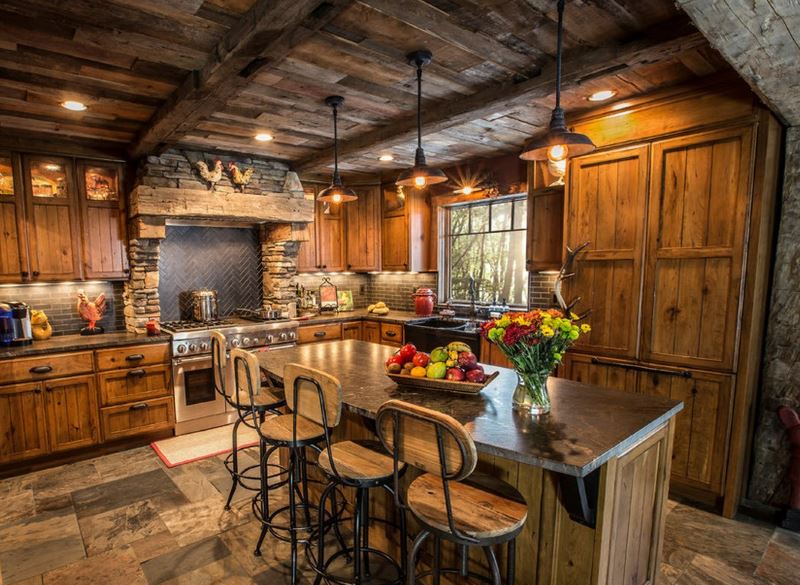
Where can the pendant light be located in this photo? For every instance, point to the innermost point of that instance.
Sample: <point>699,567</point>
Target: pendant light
<point>337,192</point>
<point>420,175</point>
<point>559,143</point>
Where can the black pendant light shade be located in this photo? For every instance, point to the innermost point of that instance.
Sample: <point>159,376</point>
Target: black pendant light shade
<point>559,143</point>
<point>420,175</point>
<point>336,192</point>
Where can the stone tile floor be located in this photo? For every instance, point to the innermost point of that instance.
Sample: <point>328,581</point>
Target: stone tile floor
<point>127,519</point>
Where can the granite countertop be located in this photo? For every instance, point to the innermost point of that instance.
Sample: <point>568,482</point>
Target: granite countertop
<point>393,317</point>
<point>65,343</point>
<point>586,427</point>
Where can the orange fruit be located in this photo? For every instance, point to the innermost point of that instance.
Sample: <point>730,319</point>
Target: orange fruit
<point>419,372</point>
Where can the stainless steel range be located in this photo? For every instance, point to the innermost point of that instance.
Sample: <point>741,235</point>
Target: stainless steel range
<point>197,405</point>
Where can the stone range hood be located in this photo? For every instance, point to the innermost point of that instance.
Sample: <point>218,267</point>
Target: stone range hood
<point>169,190</point>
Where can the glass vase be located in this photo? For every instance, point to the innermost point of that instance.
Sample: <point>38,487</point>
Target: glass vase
<point>530,396</point>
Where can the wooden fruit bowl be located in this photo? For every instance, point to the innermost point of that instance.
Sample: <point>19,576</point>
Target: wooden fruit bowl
<point>441,385</point>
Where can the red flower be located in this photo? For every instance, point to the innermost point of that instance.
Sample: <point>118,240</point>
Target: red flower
<point>515,332</point>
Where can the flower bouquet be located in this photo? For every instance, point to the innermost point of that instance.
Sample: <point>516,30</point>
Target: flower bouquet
<point>535,343</point>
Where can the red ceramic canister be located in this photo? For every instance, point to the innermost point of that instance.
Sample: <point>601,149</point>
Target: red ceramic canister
<point>424,301</point>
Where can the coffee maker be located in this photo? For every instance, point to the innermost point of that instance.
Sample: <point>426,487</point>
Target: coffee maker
<point>22,333</point>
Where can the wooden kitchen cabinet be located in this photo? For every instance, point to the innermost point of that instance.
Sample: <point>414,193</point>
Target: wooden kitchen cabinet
<point>545,243</point>
<point>606,373</point>
<point>351,330</point>
<point>330,236</point>
<point>22,422</point>
<point>13,251</point>
<point>315,333</point>
<point>392,334</point>
<point>120,386</point>
<point>54,233</point>
<point>147,416</point>
<point>405,230</point>
<point>363,229</point>
<point>371,331</point>
<point>606,206</point>
<point>103,220</point>
<point>72,413</point>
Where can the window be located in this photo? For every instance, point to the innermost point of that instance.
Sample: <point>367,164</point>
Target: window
<point>486,241</point>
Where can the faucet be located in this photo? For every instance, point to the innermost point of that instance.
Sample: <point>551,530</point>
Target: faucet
<point>472,296</point>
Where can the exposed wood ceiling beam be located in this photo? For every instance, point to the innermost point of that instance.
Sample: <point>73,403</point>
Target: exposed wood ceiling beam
<point>580,66</point>
<point>263,36</point>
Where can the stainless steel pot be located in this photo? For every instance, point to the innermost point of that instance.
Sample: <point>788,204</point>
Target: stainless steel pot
<point>204,305</point>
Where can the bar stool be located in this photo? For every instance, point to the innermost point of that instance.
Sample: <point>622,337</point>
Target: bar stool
<point>264,401</point>
<point>448,500</point>
<point>360,464</point>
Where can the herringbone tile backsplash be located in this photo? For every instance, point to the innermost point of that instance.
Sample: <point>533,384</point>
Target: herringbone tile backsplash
<point>227,260</point>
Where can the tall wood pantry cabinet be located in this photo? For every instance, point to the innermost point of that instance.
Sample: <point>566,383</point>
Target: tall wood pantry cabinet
<point>679,221</point>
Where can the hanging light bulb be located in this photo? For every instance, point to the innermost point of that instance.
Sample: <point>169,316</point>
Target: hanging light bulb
<point>337,192</point>
<point>420,175</point>
<point>559,143</point>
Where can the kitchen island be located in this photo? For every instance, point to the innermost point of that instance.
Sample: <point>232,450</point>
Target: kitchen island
<point>594,471</point>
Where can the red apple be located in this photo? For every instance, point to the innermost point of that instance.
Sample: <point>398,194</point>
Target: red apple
<point>477,375</point>
<point>467,360</point>
<point>421,359</point>
<point>455,374</point>
<point>407,352</point>
<point>395,359</point>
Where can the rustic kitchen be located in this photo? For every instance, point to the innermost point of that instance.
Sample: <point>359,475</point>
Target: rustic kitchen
<point>395,292</point>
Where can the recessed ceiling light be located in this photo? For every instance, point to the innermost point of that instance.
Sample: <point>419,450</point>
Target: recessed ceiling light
<point>264,137</point>
<point>74,106</point>
<point>385,158</point>
<point>601,96</point>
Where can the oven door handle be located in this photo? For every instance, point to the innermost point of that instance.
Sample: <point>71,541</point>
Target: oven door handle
<point>192,360</point>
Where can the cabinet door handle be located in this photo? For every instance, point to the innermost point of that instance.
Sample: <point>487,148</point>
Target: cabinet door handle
<point>136,373</point>
<point>41,369</point>
<point>37,391</point>
<point>320,333</point>
<point>134,357</point>
<point>391,334</point>
<point>139,406</point>
<point>647,369</point>
<point>24,274</point>
<point>48,388</point>
<point>35,273</point>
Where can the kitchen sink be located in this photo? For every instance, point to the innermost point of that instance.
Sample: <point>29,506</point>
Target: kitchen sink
<point>436,323</point>
<point>431,332</point>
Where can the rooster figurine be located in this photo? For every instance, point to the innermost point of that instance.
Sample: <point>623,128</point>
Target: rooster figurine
<point>91,311</point>
<point>209,176</point>
<point>239,178</point>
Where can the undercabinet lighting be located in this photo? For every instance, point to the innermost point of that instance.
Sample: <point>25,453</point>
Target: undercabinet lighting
<point>52,167</point>
<point>386,158</point>
<point>548,272</point>
<point>74,106</point>
<point>601,96</point>
<point>55,284</point>
<point>264,137</point>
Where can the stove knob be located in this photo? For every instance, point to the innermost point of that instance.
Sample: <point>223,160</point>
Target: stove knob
<point>236,343</point>
<point>291,335</point>
<point>192,347</point>
<point>282,336</point>
<point>269,339</point>
<point>246,342</point>
<point>181,348</point>
<point>204,346</point>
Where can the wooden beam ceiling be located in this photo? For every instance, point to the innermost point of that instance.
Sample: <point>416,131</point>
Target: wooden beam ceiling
<point>261,38</point>
<point>583,65</point>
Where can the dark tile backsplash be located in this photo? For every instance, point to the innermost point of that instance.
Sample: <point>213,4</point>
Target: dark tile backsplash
<point>59,302</point>
<point>227,260</point>
<point>395,289</point>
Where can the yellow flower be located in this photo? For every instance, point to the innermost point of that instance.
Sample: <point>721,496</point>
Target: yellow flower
<point>573,316</point>
<point>585,328</point>
<point>547,331</point>
<point>504,322</point>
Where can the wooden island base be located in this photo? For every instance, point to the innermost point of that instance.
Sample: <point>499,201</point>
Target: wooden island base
<point>623,547</point>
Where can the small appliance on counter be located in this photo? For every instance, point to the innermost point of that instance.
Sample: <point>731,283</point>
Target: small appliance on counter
<point>204,305</point>
<point>6,328</point>
<point>20,319</point>
<point>424,301</point>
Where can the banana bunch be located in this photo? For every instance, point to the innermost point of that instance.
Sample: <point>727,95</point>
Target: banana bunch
<point>379,308</point>
<point>453,348</point>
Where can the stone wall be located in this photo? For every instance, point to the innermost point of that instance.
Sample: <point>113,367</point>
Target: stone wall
<point>141,291</point>
<point>781,366</point>
<point>279,249</point>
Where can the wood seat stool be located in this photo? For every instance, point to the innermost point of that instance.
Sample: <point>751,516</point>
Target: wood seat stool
<point>265,400</point>
<point>448,500</point>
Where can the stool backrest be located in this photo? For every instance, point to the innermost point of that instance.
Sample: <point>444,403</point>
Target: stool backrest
<point>426,439</point>
<point>307,399</point>
<point>246,375</point>
<point>219,360</point>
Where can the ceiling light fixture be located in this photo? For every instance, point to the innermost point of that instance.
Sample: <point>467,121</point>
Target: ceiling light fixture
<point>420,175</point>
<point>264,137</point>
<point>601,96</point>
<point>337,192</point>
<point>74,106</point>
<point>559,143</point>
<point>386,158</point>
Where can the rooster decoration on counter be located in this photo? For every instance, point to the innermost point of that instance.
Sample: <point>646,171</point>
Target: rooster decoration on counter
<point>239,178</point>
<point>91,311</point>
<point>211,177</point>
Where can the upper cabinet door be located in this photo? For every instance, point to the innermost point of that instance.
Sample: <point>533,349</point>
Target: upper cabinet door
<point>363,230</point>
<point>330,236</point>
<point>13,252</point>
<point>103,220</point>
<point>606,207</point>
<point>699,196</point>
<point>53,222</point>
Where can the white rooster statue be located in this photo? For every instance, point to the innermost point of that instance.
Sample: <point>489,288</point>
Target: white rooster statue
<point>211,177</point>
<point>91,311</point>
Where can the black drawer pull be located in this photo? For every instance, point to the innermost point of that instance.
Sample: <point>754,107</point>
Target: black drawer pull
<point>37,391</point>
<point>320,334</point>
<point>647,369</point>
<point>134,357</point>
<point>140,406</point>
<point>391,334</point>
<point>41,369</point>
<point>136,373</point>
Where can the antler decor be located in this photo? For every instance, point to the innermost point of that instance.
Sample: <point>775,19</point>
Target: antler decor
<point>565,273</point>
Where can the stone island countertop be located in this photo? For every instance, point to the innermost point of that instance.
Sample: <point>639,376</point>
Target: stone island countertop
<point>67,343</point>
<point>586,427</point>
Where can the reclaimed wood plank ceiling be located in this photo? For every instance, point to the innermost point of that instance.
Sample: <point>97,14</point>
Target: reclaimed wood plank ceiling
<point>210,74</point>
